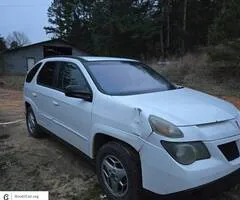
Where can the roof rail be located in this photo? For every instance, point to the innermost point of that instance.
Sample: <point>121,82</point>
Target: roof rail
<point>67,56</point>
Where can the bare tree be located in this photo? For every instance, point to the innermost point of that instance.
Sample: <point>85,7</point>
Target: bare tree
<point>19,39</point>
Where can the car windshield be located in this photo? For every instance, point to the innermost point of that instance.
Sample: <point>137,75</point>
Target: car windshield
<point>126,78</point>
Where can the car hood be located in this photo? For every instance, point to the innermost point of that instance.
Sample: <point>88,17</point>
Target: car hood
<point>182,107</point>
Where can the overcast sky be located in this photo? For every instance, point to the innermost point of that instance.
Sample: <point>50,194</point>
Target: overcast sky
<point>28,16</point>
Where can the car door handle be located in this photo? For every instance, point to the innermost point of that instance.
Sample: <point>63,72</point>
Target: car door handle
<point>34,94</point>
<point>55,103</point>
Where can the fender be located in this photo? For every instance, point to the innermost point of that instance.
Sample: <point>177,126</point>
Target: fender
<point>133,140</point>
<point>33,106</point>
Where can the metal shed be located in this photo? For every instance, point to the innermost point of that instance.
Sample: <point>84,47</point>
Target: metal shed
<point>18,61</point>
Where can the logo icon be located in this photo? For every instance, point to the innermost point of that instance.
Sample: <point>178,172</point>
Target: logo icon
<point>6,197</point>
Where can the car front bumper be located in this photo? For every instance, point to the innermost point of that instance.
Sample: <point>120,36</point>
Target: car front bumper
<point>214,188</point>
<point>163,175</point>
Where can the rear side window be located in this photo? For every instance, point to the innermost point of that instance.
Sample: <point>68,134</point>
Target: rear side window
<point>46,75</point>
<point>32,72</point>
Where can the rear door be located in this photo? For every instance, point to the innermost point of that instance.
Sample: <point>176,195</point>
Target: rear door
<point>44,92</point>
<point>30,89</point>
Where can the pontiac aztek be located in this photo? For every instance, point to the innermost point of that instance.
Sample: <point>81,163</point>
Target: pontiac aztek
<point>143,131</point>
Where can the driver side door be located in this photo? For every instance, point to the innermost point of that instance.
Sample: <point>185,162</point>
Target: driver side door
<point>72,116</point>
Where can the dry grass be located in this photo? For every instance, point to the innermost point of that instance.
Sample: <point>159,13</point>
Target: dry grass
<point>12,82</point>
<point>198,72</point>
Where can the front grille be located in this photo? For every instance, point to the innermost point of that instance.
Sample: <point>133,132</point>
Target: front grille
<point>229,150</point>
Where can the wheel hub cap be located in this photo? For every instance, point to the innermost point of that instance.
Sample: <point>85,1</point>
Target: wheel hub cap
<point>31,122</point>
<point>114,176</point>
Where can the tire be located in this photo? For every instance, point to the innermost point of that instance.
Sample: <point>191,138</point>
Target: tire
<point>129,186</point>
<point>34,129</point>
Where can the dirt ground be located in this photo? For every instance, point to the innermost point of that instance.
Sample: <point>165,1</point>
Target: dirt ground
<point>47,164</point>
<point>11,105</point>
<point>40,164</point>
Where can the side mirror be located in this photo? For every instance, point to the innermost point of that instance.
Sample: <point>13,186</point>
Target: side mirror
<point>76,91</point>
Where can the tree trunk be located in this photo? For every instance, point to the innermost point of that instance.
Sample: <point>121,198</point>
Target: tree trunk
<point>161,42</point>
<point>168,27</point>
<point>184,25</point>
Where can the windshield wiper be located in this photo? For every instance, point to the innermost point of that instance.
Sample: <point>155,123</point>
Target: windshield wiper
<point>179,87</point>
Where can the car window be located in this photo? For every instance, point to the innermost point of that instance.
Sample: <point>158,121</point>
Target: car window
<point>46,75</point>
<point>126,78</point>
<point>32,72</point>
<point>69,74</point>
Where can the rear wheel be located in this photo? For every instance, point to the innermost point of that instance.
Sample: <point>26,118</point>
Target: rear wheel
<point>118,172</point>
<point>32,126</point>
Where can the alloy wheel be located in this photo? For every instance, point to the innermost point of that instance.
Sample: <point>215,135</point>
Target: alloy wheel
<point>114,176</point>
<point>31,122</point>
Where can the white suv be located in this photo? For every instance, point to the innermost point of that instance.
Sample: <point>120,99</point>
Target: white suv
<point>143,131</point>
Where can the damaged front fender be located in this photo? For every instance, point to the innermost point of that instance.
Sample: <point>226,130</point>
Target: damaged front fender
<point>139,124</point>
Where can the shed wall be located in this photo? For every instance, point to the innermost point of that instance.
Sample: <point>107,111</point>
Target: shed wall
<point>15,62</point>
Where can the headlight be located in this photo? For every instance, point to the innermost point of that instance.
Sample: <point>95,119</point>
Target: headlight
<point>186,153</point>
<point>165,128</point>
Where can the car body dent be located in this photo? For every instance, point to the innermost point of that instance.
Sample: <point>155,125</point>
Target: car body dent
<point>128,124</point>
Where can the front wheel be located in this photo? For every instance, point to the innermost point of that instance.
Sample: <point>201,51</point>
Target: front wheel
<point>118,171</point>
